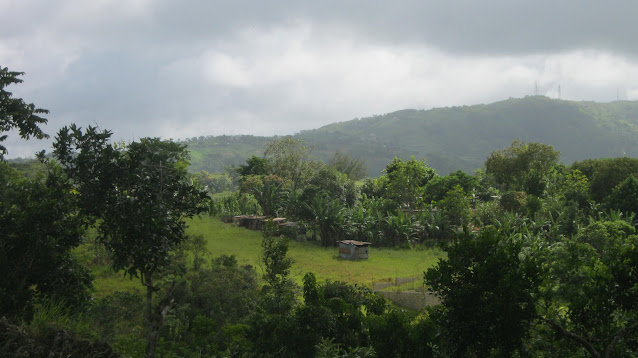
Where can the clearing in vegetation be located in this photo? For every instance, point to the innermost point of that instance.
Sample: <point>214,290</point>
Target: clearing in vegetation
<point>384,264</point>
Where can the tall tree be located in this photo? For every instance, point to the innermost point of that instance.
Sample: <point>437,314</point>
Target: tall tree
<point>406,181</point>
<point>355,169</point>
<point>289,158</point>
<point>522,166</point>
<point>141,196</point>
<point>254,166</point>
<point>17,114</point>
<point>40,226</point>
<point>487,288</point>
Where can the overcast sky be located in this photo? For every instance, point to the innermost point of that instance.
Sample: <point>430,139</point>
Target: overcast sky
<point>179,69</point>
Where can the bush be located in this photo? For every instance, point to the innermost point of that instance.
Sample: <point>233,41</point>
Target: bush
<point>234,204</point>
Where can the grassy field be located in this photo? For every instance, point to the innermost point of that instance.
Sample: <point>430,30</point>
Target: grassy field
<point>383,265</point>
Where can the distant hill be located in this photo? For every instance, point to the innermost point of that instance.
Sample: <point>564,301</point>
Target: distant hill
<point>453,138</point>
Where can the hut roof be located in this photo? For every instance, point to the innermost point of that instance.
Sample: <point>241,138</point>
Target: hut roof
<point>356,243</point>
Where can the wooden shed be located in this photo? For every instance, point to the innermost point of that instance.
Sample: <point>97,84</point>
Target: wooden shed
<point>354,250</point>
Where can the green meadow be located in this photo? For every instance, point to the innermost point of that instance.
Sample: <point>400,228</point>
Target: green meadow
<point>384,264</point>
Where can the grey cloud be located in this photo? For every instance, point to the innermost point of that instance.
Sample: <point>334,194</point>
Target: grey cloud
<point>136,66</point>
<point>465,26</point>
<point>493,26</point>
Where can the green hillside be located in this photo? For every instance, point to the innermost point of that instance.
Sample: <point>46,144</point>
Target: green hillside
<point>456,137</point>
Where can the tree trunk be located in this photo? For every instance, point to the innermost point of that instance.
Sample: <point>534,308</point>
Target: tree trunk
<point>152,327</point>
<point>154,315</point>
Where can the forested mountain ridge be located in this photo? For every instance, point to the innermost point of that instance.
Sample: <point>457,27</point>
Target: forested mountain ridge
<point>453,138</point>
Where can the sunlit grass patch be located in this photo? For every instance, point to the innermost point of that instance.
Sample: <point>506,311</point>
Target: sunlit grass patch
<point>383,264</point>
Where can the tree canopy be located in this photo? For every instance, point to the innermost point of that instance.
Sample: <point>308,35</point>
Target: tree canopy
<point>17,114</point>
<point>522,166</point>
<point>140,195</point>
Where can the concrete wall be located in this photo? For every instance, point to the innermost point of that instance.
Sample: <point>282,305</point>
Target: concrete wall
<point>411,299</point>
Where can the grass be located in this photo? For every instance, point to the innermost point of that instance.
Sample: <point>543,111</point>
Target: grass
<point>384,264</point>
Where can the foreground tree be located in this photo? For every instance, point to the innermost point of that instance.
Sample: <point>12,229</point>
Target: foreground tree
<point>39,228</point>
<point>589,292</point>
<point>577,295</point>
<point>15,113</point>
<point>141,196</point>
<point>487,287</point>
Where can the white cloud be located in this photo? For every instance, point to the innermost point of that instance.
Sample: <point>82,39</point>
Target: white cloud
<point>163,69</point>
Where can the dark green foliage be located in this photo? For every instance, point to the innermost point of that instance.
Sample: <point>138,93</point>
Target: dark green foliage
<point>575,188</point>
<point>487,289</point>
<point>326,216</point>
<point>49,341</point>
<point>406,181</point>
<point>254,166</point>
<point>118,314</point>
<point>211,308</point>
<point>225,293</point>
<point>589,292</point>
<point>605,174</point>
<point>271,325</point>
<point>271,192</point>
<point>140,195</point>
<point>439,186</point>
<point>234,204</point>
<point>17,114</point>
<point>398,334</point>
<point>513,201</point>
<point>522,166</point>
<point>332,311</point>
<point>324,201</point>
<point>329,182</point>
<point>455,206</point>
<point>40,227</point>
<point>278,295</point>
<point>624,196</point>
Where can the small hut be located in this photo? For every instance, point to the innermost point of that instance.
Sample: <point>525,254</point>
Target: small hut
<point>353,250</point>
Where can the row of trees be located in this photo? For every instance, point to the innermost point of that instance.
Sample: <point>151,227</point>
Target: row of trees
<point>411,204</point>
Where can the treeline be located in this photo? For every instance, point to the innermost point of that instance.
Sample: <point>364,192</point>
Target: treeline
<point>411,204</point>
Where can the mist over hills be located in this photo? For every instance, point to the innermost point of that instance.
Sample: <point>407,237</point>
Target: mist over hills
<point>452,138</point>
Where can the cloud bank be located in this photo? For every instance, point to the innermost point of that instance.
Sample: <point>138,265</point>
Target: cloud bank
<point>176,70</point>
